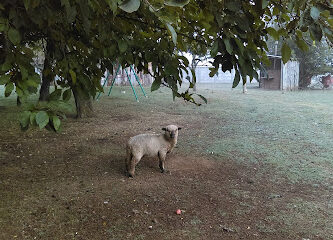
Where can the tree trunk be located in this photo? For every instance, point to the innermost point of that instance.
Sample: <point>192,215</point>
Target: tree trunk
<point>194,65</point>
<point>304,78</point>
<point>83,103</point>
<point>47,74</point>
<point>18,101</point>
<point>244,88</point>
<point>44,91</point>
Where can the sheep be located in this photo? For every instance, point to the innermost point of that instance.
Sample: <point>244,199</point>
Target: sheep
<point>150,145</point>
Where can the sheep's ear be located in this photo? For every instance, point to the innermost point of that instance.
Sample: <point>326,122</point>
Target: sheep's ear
<point>164,129</point>
<point>179,128</point>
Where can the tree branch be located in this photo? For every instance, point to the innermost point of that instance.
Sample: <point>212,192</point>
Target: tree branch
<point>163,28</point>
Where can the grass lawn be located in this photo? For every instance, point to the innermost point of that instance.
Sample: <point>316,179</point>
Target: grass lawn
<point>247,166</point>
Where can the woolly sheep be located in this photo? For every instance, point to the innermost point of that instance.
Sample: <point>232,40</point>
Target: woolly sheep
<point>150,145</point>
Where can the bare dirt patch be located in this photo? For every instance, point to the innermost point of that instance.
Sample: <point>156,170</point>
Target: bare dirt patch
<point>71,185</point>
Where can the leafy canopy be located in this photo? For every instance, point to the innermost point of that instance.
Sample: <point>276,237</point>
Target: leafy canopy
<point>87,37</point>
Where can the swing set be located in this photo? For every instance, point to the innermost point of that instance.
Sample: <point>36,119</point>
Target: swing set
<point>129,80</point>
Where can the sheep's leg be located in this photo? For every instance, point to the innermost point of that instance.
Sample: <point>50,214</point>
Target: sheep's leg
<point>161,157</point>
<point>133,161</point>
<point>128,160</point>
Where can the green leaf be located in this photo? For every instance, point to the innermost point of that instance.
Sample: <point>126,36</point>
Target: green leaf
<point>35,3</point>
<point>176,3</point>
<point>19,92</point>
<point>70,10</point>
<point>9,89</point>
<point>14,36</point>
<point>173,33</point>
<point>24,72</point>
<point>215,48</point>
<point>56,122</point>
<point>314,12</point>
<point>315,32</point>
<point>33,81</point>
<point>55,95</point>
<point>2,27</point>
<point>264,4</point>
<point>167,16</point>
<point>283,32</point>
<point>213,71</point>
<point>232,6</point>
<point>42,119</point>
<point>156,84</point>
<point>122,45</point>
<point>7,65</point>
<point>67,95</point>
<point>302,44</point>
<point>236,80</point>
<point>184,59</point>
<point>26,4</point>
<point>156,5</point>
<point>64,2</point>
<point>299,33</point>
<point>228,46</point>
<point>171,69</point>
<point>112,4</point>
<point>325,13</point>
<point>73,76</point>
<point>203,98</point>
<point>330,22</point>
<point>243,23</point>
<point>286,52</point>
<point>239,45</point>
<point>25,120</point>
<point>285,17</point>
<point>33,118</point>
<point>130,5</point>
<point>276,11</point>
<point>4,79</point>
<point>275,34</point>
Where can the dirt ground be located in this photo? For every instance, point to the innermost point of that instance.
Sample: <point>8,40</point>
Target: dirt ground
<point>71,185</point>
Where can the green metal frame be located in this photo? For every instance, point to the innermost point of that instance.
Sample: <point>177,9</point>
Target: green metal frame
<point>129,79</point>
<point>106,79</point>
<point>114,79</point>
<point>137,79</point>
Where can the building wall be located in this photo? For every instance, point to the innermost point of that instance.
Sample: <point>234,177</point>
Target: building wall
<point>202,74</point>
<point>290,75</point>
<point>274,80</point>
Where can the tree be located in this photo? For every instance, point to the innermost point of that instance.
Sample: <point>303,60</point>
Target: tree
<point>198,54</point>
<point>47,72</point>
<point>87,37</point>
<point>316,59</point>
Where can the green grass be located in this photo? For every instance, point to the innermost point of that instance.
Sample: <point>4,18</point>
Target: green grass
<point>285,135</point>
<point>310,210</point>
<point>289,131</point>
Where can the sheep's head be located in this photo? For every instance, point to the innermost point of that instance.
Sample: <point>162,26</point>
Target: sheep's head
<point>171,131</point>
